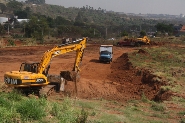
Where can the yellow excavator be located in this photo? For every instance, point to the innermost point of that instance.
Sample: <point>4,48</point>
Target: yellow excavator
<point>34,77</point>
<point>143,40</point>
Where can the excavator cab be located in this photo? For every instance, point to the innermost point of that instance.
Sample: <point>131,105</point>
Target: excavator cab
<point>29,67</point>
<point>33,67</point>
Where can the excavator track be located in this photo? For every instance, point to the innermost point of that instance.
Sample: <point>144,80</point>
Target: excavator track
<point>47,91</point>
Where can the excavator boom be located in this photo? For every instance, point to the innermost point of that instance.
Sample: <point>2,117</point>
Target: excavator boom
<point>58,50</point>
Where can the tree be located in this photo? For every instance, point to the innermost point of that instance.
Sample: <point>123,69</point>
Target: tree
<point>51,22</point>
<point>62,21</point>
<point>2,7</point>
<point>164,27</point>
<point>23,14</point>
<point>36,28</point>
<point>142,33</point>
<point>79,19</point>
<point>124,33</point>
<point>28,11</point>
<point>36,1</point>
<point>14,5</point>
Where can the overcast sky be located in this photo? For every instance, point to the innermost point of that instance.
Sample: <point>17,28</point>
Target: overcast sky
<point>172,7</point>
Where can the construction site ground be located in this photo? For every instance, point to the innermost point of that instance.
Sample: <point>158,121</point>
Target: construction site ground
<point>118,81</point>
<point>115,81</point>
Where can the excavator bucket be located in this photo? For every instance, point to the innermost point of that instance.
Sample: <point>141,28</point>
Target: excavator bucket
<point>70,76</point>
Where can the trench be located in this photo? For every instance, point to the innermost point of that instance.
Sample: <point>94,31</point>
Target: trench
<point>134,83</point>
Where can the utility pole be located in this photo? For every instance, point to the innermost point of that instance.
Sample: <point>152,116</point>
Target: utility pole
<point>24,30</point>
<point>8,28</point>
<point>140,28</point>
<point>48,34</point>
<point>106,32</point>
<point>8,23</point>
<point>42,31</point>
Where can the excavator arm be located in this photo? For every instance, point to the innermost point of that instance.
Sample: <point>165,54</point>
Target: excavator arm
<point>58,50</point>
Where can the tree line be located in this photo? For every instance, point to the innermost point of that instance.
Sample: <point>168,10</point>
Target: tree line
<point>39,25</point>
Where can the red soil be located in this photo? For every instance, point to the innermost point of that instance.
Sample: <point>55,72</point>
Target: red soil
<point>116,81</point>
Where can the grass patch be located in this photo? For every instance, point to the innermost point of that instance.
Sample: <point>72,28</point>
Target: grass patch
<point>9,115</point>
<point>111,118</point>
<point>66,112</point>
<point>144,98</point>
<point>32,109</point>
<point>88,105</point>
<point>14,96</point>
<point>133,113</point>
<point>178,99</point>
<point>157,107</point>
<point>16,108</point>
<point>182,113</point>
<point>166,62</point>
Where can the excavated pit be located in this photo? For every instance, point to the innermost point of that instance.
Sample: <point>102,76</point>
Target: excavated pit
<point>136,83</point>
<point>124,82</point>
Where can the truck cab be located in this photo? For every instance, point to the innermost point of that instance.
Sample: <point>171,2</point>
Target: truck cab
<point>106,53</point>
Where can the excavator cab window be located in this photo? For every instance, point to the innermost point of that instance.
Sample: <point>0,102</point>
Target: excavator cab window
<point>30,67</point>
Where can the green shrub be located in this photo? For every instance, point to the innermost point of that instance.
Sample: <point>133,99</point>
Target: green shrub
<point>66,113</point>
<point>4,102</point>
<point>31,109</point>
<point>82,118</point>
<point>8,115</point>
<point>14,96</point>
<point>11,43</point>
<point>55,111</point>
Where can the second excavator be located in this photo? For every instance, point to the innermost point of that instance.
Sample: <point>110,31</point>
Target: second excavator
<point>34,77</point>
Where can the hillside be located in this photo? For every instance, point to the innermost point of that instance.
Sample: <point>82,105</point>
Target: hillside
<point>89,15</point>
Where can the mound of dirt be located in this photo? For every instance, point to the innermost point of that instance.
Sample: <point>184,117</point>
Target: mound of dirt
<point>134,83</point>
<point>124,83</point>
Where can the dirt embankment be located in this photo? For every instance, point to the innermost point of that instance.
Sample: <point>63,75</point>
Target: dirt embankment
<point>123,83</point>
<point>135,83</point>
